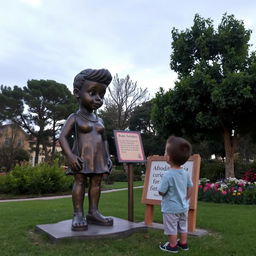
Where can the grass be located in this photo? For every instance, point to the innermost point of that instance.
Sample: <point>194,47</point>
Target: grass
<point>232,229</point>
<point>115,185</point>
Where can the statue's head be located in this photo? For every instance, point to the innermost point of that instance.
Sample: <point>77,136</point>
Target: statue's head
<point>90,87</point>
<point>95,75</point>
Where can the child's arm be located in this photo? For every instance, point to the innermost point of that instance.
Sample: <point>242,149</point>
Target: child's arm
<point>164,186</point>
<point>74,160</point>
<point>189,186</point>
<point>189,192</point>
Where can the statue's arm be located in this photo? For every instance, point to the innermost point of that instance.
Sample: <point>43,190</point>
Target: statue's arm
<point>107,149</point>
<point>74,160</point>
<point>110,164</point>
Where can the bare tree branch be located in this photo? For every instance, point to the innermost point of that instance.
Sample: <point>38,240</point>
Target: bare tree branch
<point>124,95</point>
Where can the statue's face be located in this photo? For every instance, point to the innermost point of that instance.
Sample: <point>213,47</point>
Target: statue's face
<point>91,95</point>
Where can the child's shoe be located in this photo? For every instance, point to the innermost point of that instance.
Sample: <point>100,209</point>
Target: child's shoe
<point>184,247</point>
<point>166,247</point>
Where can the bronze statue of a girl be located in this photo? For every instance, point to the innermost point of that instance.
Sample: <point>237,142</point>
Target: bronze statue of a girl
<point>89,155</point>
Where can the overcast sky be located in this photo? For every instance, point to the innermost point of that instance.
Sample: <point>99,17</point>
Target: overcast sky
<point>56,39</point>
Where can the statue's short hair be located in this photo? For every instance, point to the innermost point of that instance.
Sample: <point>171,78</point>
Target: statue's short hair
<point>96,75</point>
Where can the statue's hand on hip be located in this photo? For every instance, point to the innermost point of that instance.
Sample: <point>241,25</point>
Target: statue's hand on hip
<point>75,162</point>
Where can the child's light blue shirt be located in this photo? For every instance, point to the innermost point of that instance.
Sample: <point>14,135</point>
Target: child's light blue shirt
<point>174,185</point>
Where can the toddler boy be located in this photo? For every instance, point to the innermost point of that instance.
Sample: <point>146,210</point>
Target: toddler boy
<point>176,189</point>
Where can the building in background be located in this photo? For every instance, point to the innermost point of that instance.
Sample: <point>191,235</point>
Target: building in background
<point>14,141</point>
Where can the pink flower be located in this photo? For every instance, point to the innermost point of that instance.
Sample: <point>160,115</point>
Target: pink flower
<point>224,192</point>
<point>240,189</point>
<point>205,188</point>
<point>208,185</point>
<point>200,186</point>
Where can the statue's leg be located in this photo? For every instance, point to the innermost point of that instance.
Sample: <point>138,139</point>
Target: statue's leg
<point>94,217</point>
<point>79,222</point>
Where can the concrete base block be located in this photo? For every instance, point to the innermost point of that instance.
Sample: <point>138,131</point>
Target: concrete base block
<point>62,230</point>
<point>199,232</point>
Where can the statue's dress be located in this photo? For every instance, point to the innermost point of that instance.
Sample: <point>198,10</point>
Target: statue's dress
<point>89,144</point>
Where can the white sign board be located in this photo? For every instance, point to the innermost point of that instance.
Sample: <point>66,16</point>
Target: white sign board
<point>156,166</point>
<point>157,170</point>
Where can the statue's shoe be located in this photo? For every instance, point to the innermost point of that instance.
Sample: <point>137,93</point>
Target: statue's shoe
<point>98,219</point>
<point>79,223</point>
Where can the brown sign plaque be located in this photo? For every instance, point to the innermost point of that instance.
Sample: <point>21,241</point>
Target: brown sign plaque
<point>129,147</point>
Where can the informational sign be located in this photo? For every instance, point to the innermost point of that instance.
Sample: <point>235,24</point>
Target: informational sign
<point>157,170</point>
<point>129,147</point>
<point>156,167</point>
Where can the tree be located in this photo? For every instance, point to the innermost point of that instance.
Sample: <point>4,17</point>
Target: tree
<point>141,121</point>
<point>123,96</point>
<point>215,92</point>
<point>38,108</point>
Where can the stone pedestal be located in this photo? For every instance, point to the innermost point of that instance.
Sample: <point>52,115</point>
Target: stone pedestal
<point>62,230</point>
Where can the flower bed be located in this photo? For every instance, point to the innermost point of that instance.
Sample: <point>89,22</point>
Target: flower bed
<point>230,190</point>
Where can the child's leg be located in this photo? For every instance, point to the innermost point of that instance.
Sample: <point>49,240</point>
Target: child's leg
<point>172,240</point>
<point>170,227</point>
<point>183,242</point>
<point>94,192</point>
<point>78,222</point>
<point>183,238</point>
<point>183,229</point>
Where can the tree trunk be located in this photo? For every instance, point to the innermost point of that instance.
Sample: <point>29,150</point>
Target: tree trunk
<point>37,151</point>
<point>53,141</point>
<point>229,144</point>
<point>46,154</point>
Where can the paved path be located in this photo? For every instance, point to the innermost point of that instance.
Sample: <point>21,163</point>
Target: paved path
<point>57,197</point>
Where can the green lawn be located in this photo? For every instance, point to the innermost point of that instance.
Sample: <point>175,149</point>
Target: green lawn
<point>117,185</point>
<point>232,229</point>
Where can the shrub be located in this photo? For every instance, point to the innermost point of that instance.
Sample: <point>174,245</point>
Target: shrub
<point>213,170</point>
<point>120,174</point>
<point>250,175</point>
<point>241,167</point>
<point>116,175</point>
<point>139,170</point>
<point>40,179</point>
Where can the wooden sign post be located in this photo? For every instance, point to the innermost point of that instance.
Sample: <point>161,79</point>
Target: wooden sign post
<point>156,166</point>
<point>129,150</point>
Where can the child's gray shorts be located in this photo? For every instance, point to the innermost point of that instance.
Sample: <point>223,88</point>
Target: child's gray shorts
<point>175,223</point>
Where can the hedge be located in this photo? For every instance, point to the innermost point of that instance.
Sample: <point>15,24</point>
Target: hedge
<point>40,179</point>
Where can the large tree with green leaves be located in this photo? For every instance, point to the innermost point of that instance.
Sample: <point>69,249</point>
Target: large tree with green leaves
<point>38,108</point>
<point>215,94</point>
